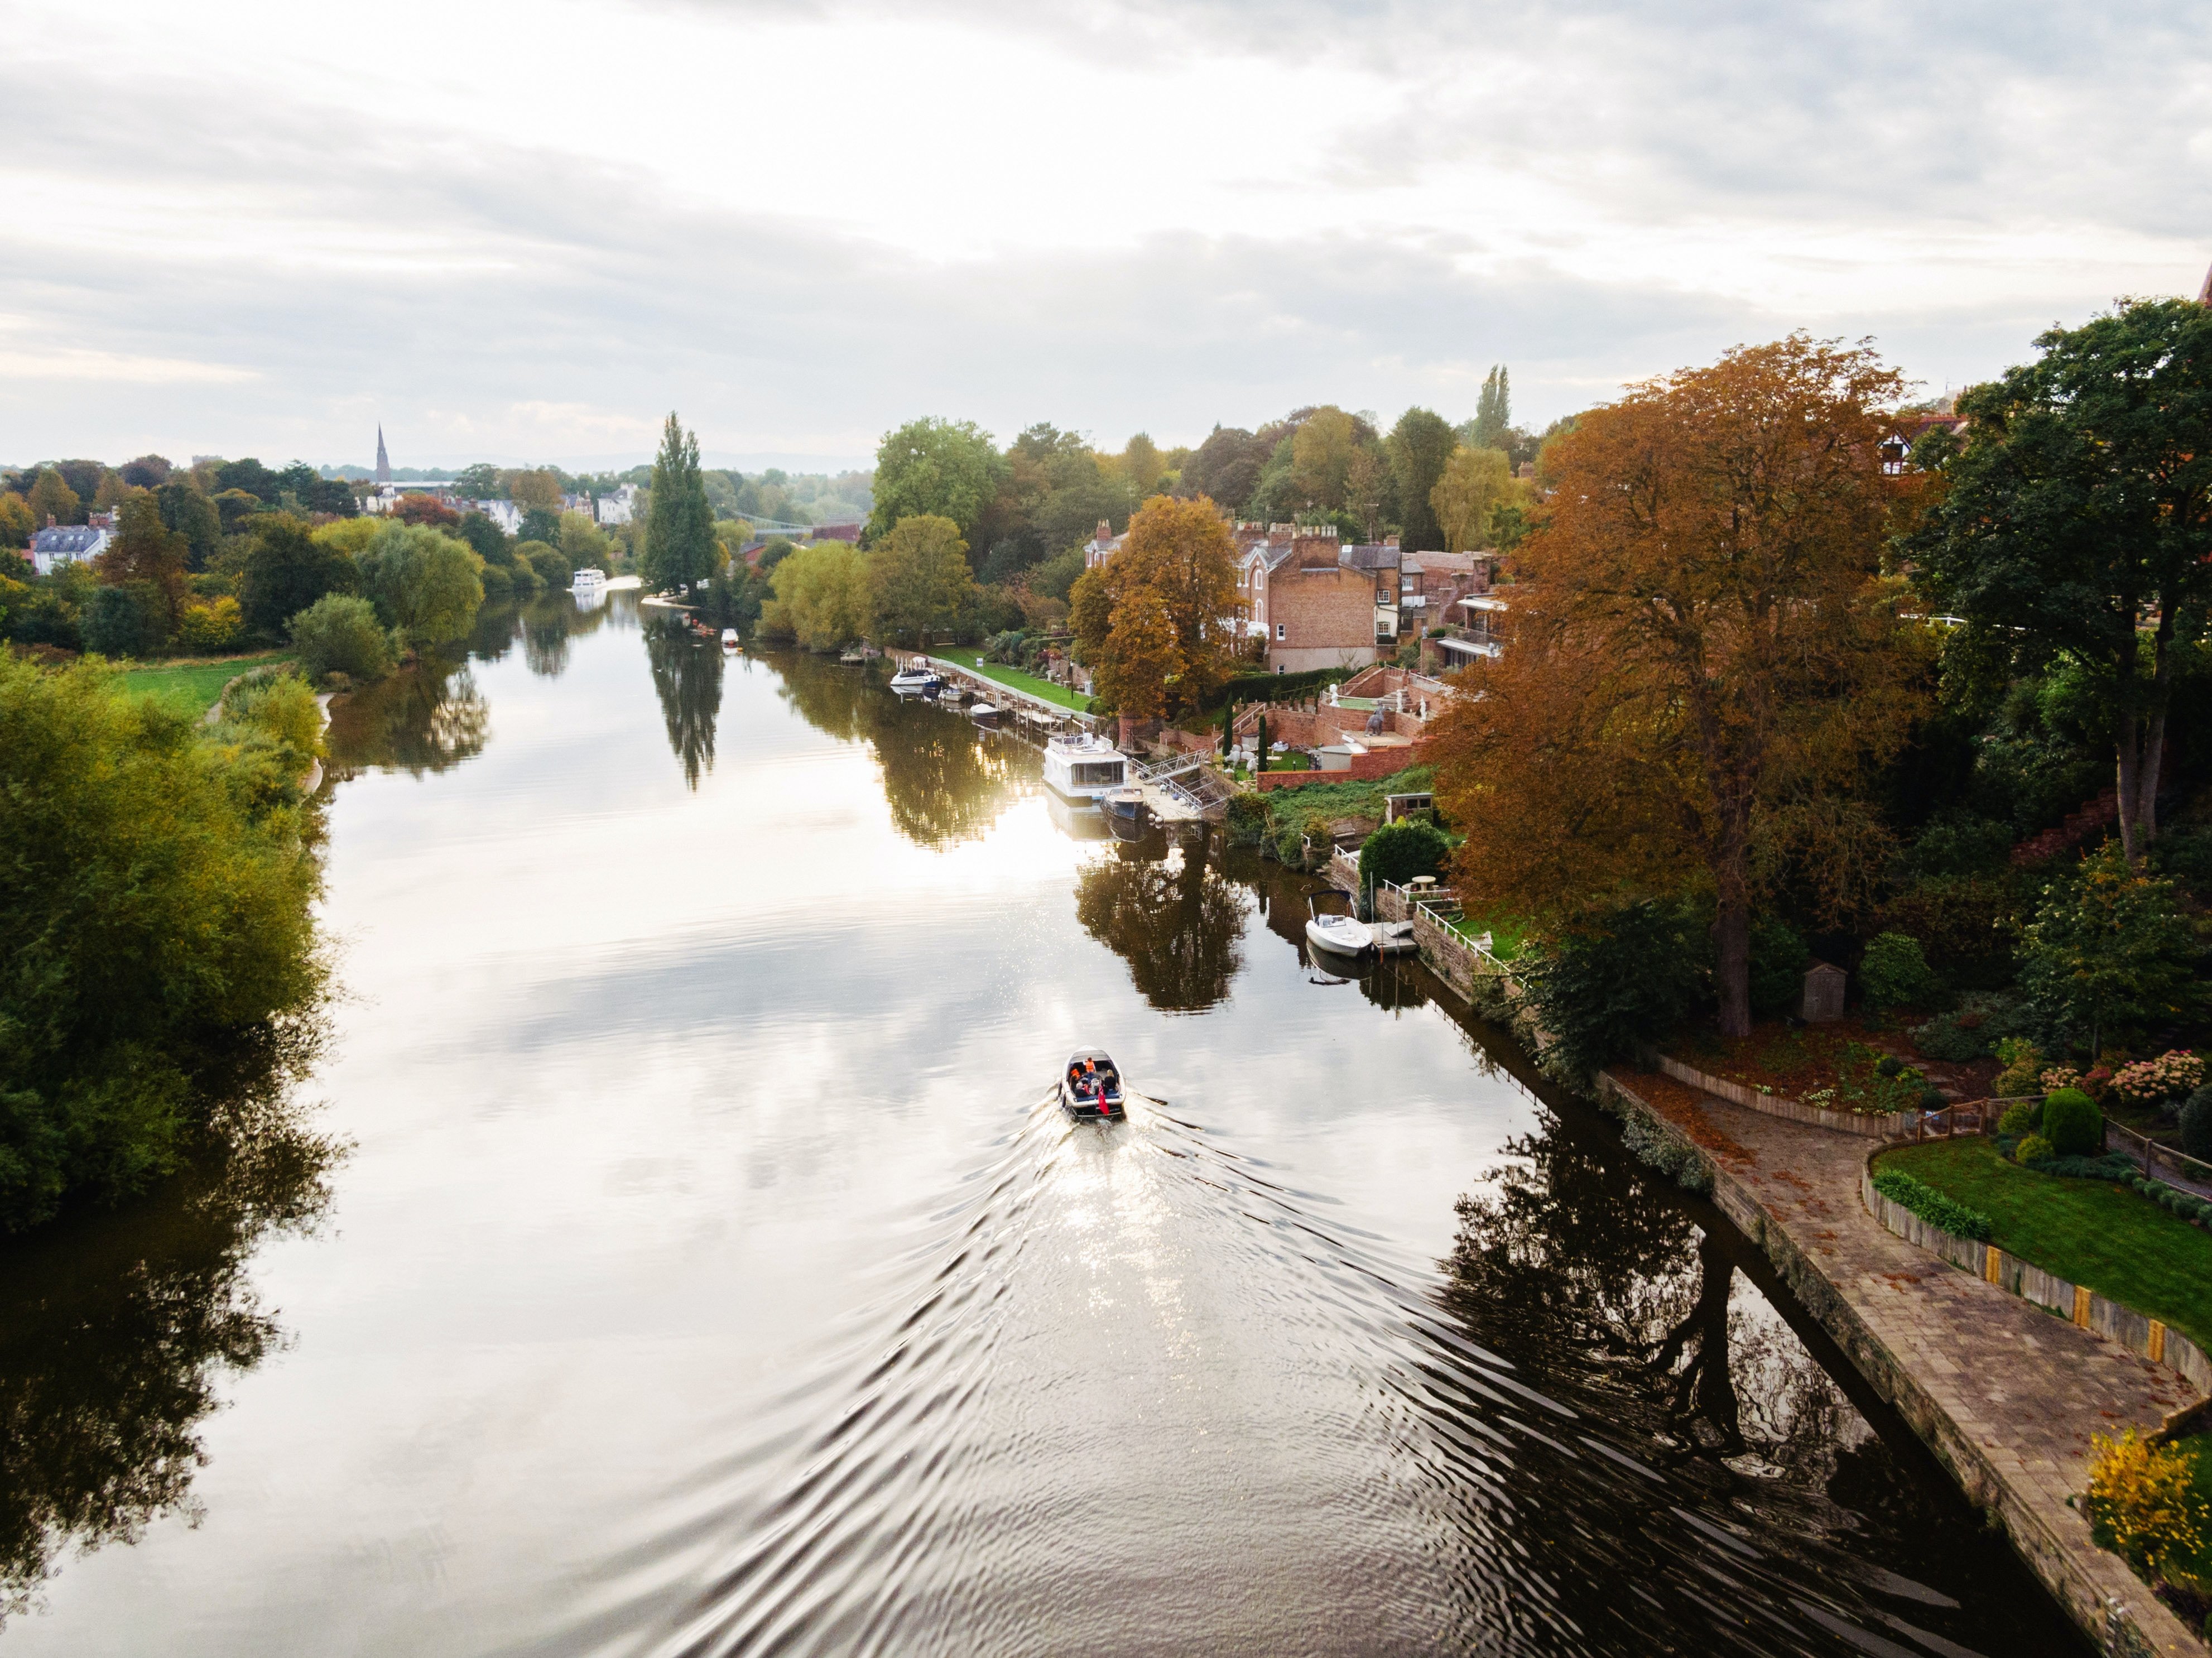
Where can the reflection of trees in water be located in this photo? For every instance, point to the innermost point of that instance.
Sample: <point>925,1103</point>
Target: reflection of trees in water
<point>427,718</point>
<point>944,779</point>
<point>115,1332</point>
<point>687,677</point>
<point>1175,919</point>
<point>545,625</point>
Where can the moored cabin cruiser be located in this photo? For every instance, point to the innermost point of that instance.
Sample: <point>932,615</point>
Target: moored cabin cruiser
<point>1084,766</point>
<point>589,579</point>
<point>1090,1086</point>
<point>915,678</point>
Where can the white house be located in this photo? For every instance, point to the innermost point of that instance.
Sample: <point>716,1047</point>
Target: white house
<point>504,513</point>
<point>70,544</point>
<point>620,506</point>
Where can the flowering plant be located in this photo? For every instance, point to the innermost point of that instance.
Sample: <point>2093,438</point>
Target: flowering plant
<point>2058,1077</point>
<point>2172,1073</point>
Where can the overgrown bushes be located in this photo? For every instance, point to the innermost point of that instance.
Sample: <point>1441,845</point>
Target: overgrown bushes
<point>1931,1206</point>
<point>339,634</point>
<point>1605,986</point>
<point>1397,852</point>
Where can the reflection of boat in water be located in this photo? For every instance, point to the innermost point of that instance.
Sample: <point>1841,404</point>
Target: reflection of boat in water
<point>1339,935</point>
<point>730,641</point>
<point>1079,820</point>
<point>852,658</point>
<point>1395,938</point>
<point>915,679</point>
<point>984,714</point>
<point>1084,766</point>
<point>1091,1086</point>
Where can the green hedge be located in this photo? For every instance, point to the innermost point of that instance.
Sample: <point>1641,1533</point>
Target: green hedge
<point>1932,1206</point>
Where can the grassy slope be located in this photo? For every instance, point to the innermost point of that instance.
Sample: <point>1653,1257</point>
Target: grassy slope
<point>194,686</point>
<point>2116,1240</point>
<point>966,658</point>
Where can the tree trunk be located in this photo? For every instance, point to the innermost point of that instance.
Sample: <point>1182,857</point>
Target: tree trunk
<point>1732,963</point>
<point>2126,785</point>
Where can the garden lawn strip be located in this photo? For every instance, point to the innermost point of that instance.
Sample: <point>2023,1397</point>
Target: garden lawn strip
<point>195,687</point>
<point>2106,1237</point>
<point>1013,678</point>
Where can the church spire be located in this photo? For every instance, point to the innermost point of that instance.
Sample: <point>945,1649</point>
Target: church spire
<point>383,460</point>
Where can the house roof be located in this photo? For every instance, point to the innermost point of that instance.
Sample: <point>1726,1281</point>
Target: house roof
<point>69,538</point>
<point>1368,556</point>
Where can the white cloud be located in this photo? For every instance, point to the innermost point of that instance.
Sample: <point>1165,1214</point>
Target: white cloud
<point>799,224</point>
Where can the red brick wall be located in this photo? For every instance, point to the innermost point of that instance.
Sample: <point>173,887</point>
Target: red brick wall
<point>1365,769</point>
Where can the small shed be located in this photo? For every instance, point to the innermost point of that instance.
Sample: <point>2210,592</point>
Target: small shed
<point>1824,993</point>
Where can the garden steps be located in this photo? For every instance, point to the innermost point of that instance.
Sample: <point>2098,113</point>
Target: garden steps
<point>2007,1396</point>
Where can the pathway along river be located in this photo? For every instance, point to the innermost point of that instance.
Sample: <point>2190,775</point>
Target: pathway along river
<point>702,1271</point>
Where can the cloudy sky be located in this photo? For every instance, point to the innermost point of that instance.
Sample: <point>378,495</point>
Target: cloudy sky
<point>524,233</point>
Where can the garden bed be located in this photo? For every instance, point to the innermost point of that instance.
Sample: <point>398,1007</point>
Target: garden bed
<point>2096,1233</point>
<point>1835,1067</point>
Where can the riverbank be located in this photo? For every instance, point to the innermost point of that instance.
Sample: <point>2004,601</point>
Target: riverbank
<point>2007,1396</point>
<point>195,684</point>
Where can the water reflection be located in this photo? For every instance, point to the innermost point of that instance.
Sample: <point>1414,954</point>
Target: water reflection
<point>687,677</point>
<point>1168,911</point>
<point>115,1334</point>
<point>944,779</point>
<point>427,718</point>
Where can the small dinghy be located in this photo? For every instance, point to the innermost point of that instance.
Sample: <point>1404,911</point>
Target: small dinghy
<point>1339,935</point>
<point>1090,1086</point>
<point>984,713</point>
<point>729,640</point>
<point>1395,939</point>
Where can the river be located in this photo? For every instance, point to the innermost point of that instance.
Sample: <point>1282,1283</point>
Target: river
<point>677,1254</point>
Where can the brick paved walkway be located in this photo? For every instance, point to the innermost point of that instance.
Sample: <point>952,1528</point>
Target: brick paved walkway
<point>2006,1395</point>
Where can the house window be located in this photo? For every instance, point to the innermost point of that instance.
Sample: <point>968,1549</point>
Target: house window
<point>1282,630</point>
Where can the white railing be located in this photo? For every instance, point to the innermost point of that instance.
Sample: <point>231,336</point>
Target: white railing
<point>1158,771</point>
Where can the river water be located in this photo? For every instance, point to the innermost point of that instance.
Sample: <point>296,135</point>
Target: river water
<point>681,1254</point>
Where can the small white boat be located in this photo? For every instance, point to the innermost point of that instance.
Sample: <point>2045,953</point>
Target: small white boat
<point>1090,1086</point>
<point>730,641</point>
<point>1395,939</point>
<point>984,713</point>
<point>1339,935</point>
<point>914,679</point>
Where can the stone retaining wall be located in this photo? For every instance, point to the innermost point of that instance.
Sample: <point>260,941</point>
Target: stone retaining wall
<point>1883,1126</point>
<point>2138,1333</point>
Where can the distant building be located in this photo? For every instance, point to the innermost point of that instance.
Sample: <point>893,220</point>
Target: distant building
<point>620,506</point>
<point>1318,603</point>
<point>383,460</point>
<point>504,513</point>
<point>69,544</point>
<point>834,532</point>
<point>1103,545</point>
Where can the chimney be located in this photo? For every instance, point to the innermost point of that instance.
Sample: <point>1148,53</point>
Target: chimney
<point>1105,532</point>
<point>50,520</point>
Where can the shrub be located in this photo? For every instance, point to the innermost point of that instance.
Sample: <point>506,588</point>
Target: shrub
<point>2021,1060</point>
<point>279,702</point>
<point>549,561</point>
<point>2072,1123</point>
<point>209,626</point>
<point>2173,1074</point>
<point>1778,959</point>
<point>1930,1205</point>
<point>1246,819</point>
<point>2113,1166</point>
<point>498,582</point>
<point>2019,1120</point>
<point>1950,1039</point>
<point>126,621</point>
<point>1398,852</point>
<point>339,634</point>
<point>2196,1126</point>
<point>2144,1496</point>
<point>1895,973</point>
<point>2033,1150</point>
<point>1604,985</point>
<point>2058,1077</point>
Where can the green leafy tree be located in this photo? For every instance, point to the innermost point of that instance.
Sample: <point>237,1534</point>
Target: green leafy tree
<point>932,467</point>
<point>2076,518</point>
<point>478,482</point>
<point>1606,982</point>
<point>193,516</point>
<point>679,526</point>
<point>1322,453</point>
<point>486,540</point>
<point>15,520</point>
<point>1475,484</point>
<point>145,551</point>
<point>1493,412</point>
<point>821,596</point>
<point>339,633</point>
<point>126,620</point>
<point>1421,445</point>
<point>50,497</point>
<point>155,929</point>
<point>288,570</point>
<point>917,580</point>
<point>424,583</point>
<point>2108,952</point>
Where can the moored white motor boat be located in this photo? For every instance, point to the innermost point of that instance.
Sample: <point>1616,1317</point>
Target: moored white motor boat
<point>589,579</point>
<point>730,641</point>
<point>1339,935</point>
<point>984,713</point>
<point>914,679</point>
<point>1090,1084</point>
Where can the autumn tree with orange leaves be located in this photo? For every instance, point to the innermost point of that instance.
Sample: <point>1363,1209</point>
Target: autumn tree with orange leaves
<point>1704,661</point>
<point>1153,619</point>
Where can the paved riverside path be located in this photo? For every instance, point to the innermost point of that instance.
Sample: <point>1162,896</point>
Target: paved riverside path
<point>2006,1394</point>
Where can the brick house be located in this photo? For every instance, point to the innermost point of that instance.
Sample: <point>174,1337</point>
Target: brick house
<point>1103,545</point>
<point>1431,585</point>
<point>1316,601</point>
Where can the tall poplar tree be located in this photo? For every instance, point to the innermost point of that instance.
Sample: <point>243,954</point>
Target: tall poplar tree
<point>1420,446</point>
<point>1494,410</point>
<point>679,524</point>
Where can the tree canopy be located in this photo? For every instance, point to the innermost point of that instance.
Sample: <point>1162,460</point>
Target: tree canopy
<point>917,580</point>
<point>1475,484</point>
<point>1421,444</point>
<point>932,467</point>
<point>2080,506</point>
<point>679,526</point>
<point>423,582</point>
<point>1704,659</point>
<point>1153,617</point>
<point>821,596</point>
<point>288,570</point>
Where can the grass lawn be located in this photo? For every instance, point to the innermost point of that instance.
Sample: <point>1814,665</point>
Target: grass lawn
<point>966,658</point>
<point>194,685</point>
<point>2114,1240</point>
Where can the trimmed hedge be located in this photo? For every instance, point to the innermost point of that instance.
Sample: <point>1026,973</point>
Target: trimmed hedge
<point>2073,1124</point>
<point>1932,1206</point>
